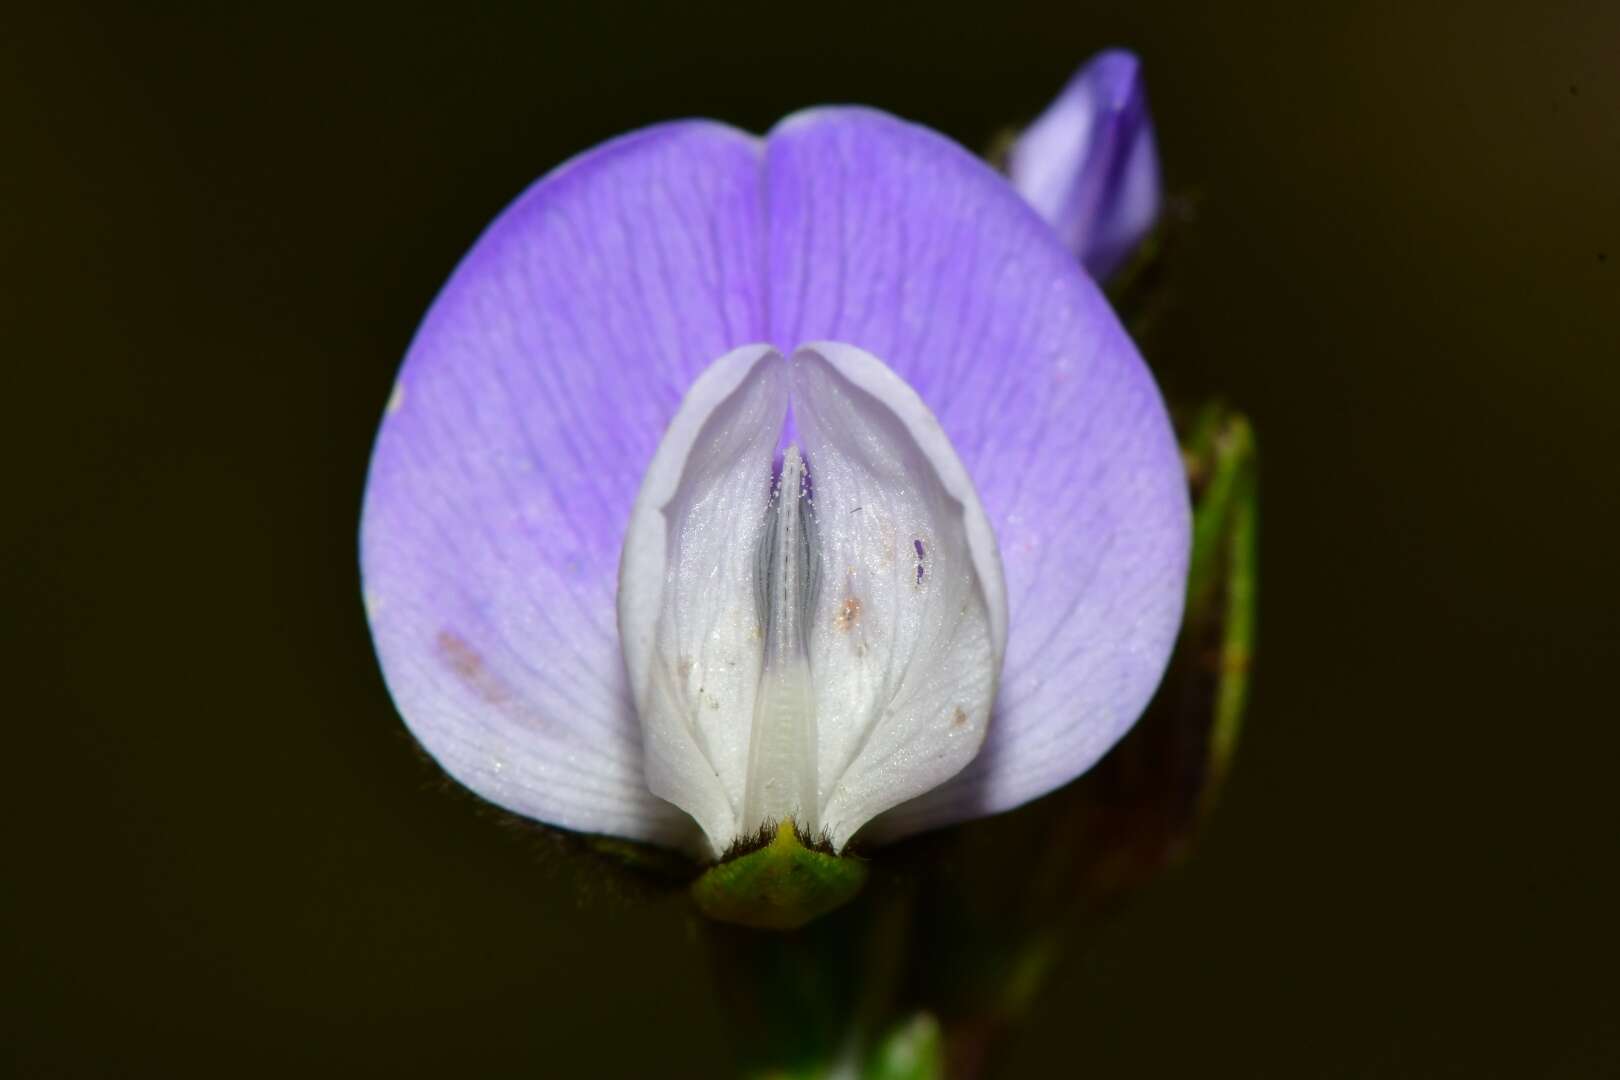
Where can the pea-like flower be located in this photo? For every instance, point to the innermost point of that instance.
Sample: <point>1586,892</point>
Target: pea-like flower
<point>736,481</point>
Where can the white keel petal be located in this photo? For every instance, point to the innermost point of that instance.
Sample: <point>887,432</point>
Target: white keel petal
<point>912,622</point>
<point>687,608</point>
<point>822,648</point>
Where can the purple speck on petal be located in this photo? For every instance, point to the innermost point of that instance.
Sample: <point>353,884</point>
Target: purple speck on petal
<point>1089,163</point>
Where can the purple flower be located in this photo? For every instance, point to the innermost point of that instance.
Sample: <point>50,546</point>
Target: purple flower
<point>632,570</point>
<point>1089,163</point>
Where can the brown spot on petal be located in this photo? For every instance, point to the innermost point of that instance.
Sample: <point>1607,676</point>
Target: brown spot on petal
<point>463,660</point>
<point>959,718</point>
<point>849,613</point>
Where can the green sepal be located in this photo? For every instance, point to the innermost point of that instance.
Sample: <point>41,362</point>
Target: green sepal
<point>780,886</point>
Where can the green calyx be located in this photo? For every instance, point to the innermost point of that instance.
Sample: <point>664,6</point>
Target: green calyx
<point>780,886</point>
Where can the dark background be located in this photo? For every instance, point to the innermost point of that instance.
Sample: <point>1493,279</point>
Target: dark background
<point>223,855</point>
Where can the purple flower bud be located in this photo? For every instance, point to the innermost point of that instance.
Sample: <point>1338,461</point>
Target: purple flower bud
<point>1089,163</point>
